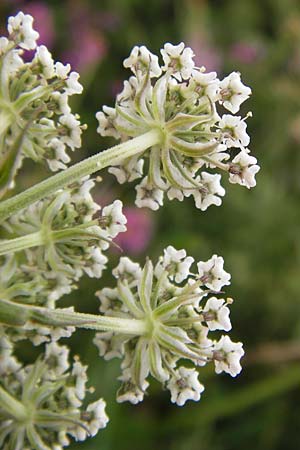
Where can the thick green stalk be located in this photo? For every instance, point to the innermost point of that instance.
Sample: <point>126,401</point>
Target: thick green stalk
<point>112,156</point>
<point>9,311</point>
<point>20,243</point>
<point>12,406</point>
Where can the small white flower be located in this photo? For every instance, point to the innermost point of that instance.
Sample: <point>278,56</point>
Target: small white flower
<point>99,419</point>
<point>115,221</point>
<point>141,61</point>
<point>185,386</point>
<point>243,169</point>
<point>79,372</point>
<point>212,274</point>
<point>44,59</point>
<point>227,355</point>
<point>179,60</point>
<point>148,196</point>
<point>127,270</point>
<point>72,131</point>
<point>205,84</point>
<point>130,392</point>
<point>210,193</point>
<point>130,171</point>
<point>233,92</point>
<point>57,357</point>
<point>106,122</point>
<point>62,70</point>
<point>176,263</point>
<point>96,263</point>
<point>61,156</point>
<point>73,85</point>
<point>234,132</point>
<point>216,314</point>
<point>20,27</point>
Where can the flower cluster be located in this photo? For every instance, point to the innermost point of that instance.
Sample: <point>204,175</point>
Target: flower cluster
<point>61,238</point>
<point>179,309</point>
<point>36,119</point>
<point>43,402</point>
<point>182,103</point>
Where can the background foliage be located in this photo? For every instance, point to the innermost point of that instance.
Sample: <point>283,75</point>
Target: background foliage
<point>256,232</point>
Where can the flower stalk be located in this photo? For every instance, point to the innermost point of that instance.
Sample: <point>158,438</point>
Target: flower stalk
<point>64,318</point>
<point>86,167</point>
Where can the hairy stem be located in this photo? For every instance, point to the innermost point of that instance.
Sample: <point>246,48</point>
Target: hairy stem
<point>20,243</point>
<point>112,156</point>
<point>64,318</point>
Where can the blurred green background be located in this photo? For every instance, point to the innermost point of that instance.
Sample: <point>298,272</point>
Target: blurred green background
<point>257,231</point>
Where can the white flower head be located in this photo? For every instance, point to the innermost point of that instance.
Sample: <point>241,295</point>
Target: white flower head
<point>71,130</point>
<point>98,417</point>
<point>233,92</point>
<point>205,84</point>
<point>73,85</point>
<point>212,274</point>
<point>148,196</point>
<point>106,125</point>
<point>127,270</point>
<point>234,132</point>
<point>20,29</point>
<point>209,193</point>
<point>176,263</point>
<point>130,171</point>
<point>227,355</point>
<point>216,314</point>
<point>179,60</point>
<point>141,62</point>
<point>62,70</point>
<point>114,219</point>
<point>184,385</point>
<point>57,357</point>
<point>243,169</point>
<point>44,60</point>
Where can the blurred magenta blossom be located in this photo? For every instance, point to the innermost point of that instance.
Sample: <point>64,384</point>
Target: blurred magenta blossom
<point>43,21</point>
<point>139,232</point>
<point>205,53</point>
<point>246,52</point>
<point>86,35</point>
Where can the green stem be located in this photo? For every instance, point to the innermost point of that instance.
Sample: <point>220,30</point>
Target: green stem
<point>112,156</point>
<point>62,318</point>
<point>20,243</point>
<point>50,236</point>
<point>12,406</point>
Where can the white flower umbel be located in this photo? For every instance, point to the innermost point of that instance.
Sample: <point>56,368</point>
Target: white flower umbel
<point>181,102</point>
<point>168,299</point>
<point>61,236</point>
<point>34,110</point>
<point>39,413</point>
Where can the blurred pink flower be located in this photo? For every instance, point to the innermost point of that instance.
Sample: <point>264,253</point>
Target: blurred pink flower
<point>87,45</point>
<point>245,52</point>
<point>205,54</point>
<point>139,232</point>
<point>43,21</point>
<point>92,49</point>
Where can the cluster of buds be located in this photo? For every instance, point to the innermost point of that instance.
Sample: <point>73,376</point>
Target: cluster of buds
<point>179,309</point>
<point>43,403</point>
<point>36,119</point>
<point>181,101</point>
<point>61,237</point>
